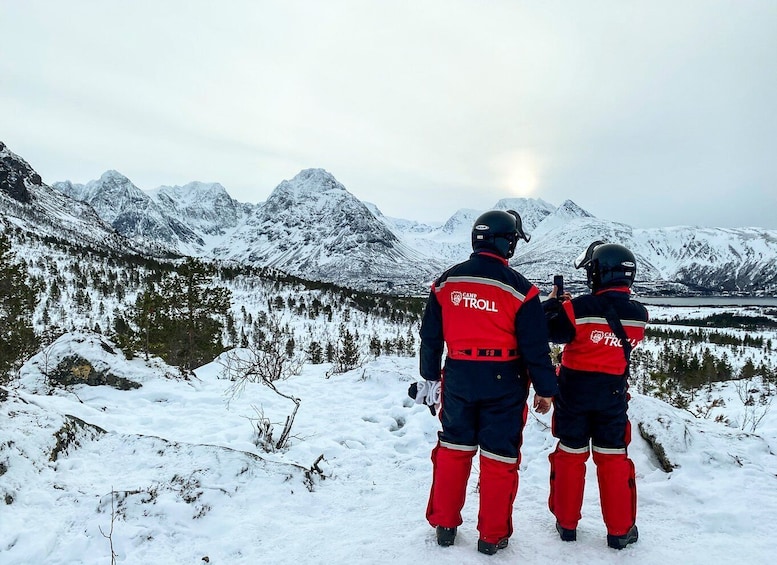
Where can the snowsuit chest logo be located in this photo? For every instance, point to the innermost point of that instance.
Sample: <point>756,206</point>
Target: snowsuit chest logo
<point>610,339</point>
<point>597,336</point>
<point>471,300</point>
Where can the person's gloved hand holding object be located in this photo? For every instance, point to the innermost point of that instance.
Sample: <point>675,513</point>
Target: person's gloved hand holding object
<point>427,392</point>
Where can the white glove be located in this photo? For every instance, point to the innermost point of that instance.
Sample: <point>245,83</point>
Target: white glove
<point>429,393</point>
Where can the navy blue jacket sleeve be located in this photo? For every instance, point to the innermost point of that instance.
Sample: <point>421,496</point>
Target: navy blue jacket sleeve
<point>560,329</point>
<point>534,349</point>
<point>432,342</point>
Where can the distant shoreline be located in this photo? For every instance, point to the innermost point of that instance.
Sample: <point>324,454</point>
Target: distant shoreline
<point>707,300</point>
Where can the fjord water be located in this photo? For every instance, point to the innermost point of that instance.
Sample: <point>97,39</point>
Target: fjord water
<point>708,300</point>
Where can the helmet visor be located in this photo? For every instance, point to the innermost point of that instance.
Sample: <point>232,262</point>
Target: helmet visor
<point>585,257</point>
<point>519,233</point>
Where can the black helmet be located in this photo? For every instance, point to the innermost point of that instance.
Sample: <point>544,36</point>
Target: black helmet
<point>607,264</point>
<point>498,231</point>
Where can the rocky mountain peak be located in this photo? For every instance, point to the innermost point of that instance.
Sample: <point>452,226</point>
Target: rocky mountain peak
<point>312,226</point>
<point>16,175</point>
<point>112,183</point>
<point>571,209</point>
<point>316,192</point>
<point>114,177</point>
<point>531,210</point>
<point>205,207</point>
<point>193,192</point>
<point>315,200</point>
<point>307,183</point>
<point>43,211</point>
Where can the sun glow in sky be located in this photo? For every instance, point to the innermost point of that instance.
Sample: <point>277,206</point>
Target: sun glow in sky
<point>518,173</point>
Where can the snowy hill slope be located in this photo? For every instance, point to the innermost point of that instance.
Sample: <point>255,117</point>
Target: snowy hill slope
<point>190,485</point>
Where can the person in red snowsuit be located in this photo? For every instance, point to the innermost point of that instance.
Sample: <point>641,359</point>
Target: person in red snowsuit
<point>590,410</point>
<point>490,319</point>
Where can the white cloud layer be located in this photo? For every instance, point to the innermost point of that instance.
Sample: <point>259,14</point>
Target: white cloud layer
<point>650,113</point>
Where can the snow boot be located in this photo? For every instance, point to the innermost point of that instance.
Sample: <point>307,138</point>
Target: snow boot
<point>490,548</point>
<point>565,533</point>
<point>620,542</point>
<point>445,536</point>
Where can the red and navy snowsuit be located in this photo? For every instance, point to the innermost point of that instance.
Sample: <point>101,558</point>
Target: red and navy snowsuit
<point>490,319</point>
<point>591,406</point>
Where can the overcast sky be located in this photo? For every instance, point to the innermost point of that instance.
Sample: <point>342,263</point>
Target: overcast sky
<point>652,113</point>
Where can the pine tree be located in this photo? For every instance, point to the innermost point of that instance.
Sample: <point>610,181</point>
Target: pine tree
<point>231,329</point>
<point>410,343</point>
<point>196,310</point>
<point>747,371</point>
<point>315,353</point>
<point>290,346</point>
<point>329,352</point>
<point>348,351</point>
<point>182,320</point>
<point>375,346</point>
<point>148,316</point>
<point>17,304</point>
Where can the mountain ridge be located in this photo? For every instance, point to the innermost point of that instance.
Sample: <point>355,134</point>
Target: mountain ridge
<point>311,226</point>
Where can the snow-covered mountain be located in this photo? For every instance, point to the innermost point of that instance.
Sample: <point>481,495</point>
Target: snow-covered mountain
<point>679,258</point>
<point>32,207</point>
<point>132,212</point>
<point>206,208</point>
<point>313,227</point>
<point>724,258</point>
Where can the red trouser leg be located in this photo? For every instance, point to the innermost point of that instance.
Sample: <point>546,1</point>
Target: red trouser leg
<point>567,482</point>
<point>498,487</point>
<point>449,485</point>
<point>617,490</point>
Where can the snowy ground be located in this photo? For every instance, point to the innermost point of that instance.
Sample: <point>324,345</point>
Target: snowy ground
<point>192,487</point>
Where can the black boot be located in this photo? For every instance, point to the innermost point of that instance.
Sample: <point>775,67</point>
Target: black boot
<point>490,548</point>
<point>565,534</point>
<point>619,542</point>
<point>445,536</point>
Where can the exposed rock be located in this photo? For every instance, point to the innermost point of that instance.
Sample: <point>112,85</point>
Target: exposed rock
<point>658,449</point>
<point>74,369</point>
<point>71,433</point>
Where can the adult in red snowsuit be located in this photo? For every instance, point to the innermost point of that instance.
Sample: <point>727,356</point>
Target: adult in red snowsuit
<point>590,411</point>
<point>490,319</point>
